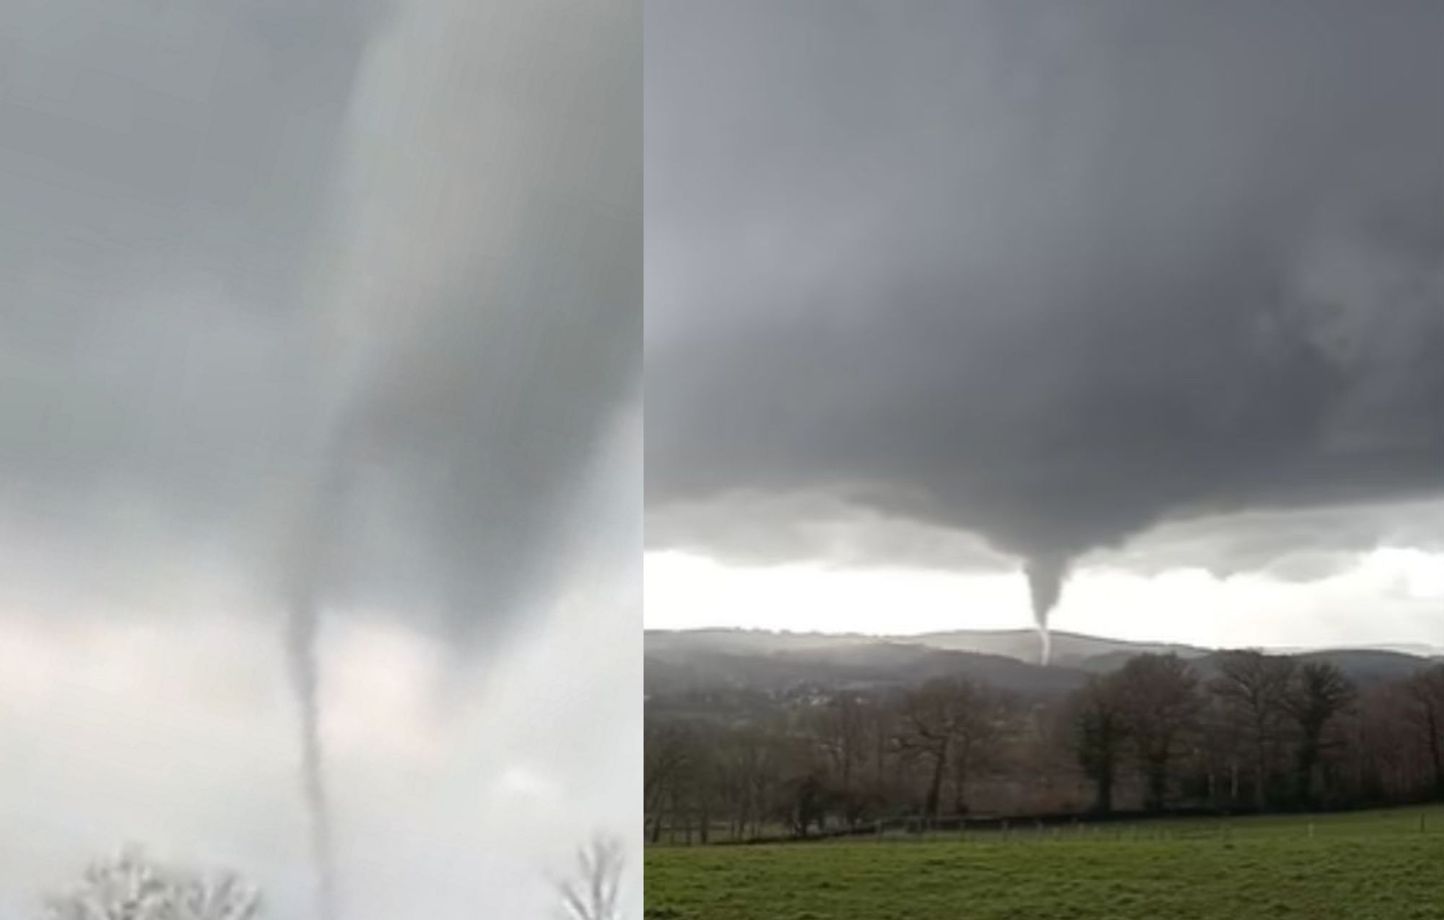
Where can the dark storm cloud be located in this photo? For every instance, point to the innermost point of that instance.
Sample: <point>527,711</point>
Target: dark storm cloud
<point>1300,544</point>
<point>1048,272</point>
<point>225,222</point>
<point>762,529</point>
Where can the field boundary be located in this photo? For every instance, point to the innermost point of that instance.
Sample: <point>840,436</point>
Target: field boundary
<point>918,826</point>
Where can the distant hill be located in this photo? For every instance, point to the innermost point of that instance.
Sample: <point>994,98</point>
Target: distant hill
<point>1069,649</point>
<point>779,662</point>
<point>700,663</point>
<point>749,641</point>
<point>1074,649</point>
<point>1369,665</point>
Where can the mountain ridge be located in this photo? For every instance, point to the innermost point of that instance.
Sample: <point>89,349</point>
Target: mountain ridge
<point>783,661</point>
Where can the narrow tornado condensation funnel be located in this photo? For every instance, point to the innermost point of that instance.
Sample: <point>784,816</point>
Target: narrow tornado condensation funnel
<point>307,564</point>
<point>1045,584</point>
<point>312,543</point>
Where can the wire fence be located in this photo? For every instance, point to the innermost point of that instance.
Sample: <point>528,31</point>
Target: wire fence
<point>1180,824</point>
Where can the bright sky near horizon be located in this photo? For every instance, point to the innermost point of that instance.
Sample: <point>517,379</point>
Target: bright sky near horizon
<point>1390,596</point>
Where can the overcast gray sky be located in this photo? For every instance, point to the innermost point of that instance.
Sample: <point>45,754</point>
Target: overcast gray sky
<point>943,288</point>
<point>225,229</point>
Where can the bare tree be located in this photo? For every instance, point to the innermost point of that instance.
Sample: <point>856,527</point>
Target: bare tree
<point>841,731</point>
<point>592,894</point>
<point>1159,696</point>
<point>1101,725</point>
<point>1224,749</point>
<point>1269,731</point>
<point>1318,693</point>
<point>745,771</point>
<point>669,774</point>
<point>983,718</point>
<point>882,728</point>
<point>1425,693</point>
<point>947,722</point>
<point>925,735</point>
<point>132,887</point>
<point>805,802</point>
<point>1254,688</point>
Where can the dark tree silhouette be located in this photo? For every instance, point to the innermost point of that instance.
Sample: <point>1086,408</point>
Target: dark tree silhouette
<point>1161,704</point>
<point>946,723</point>
<point>1318,693</point>
<point>1425,693</point>
<point>812,755</point>
<point>841,732</point>
<point>926,733</point>
<point>1254,688</point>
<point>1101,726</point>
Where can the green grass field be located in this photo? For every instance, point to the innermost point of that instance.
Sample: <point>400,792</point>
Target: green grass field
<point>1362,866</point>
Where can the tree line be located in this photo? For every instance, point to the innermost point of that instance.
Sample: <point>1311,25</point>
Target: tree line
<point>1247,731</point>
<point>132,885</point>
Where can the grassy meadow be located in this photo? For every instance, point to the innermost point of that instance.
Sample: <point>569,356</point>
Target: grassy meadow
<point>1359,866</point>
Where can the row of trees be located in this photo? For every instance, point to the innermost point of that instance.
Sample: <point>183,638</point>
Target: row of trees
<point>1245,731</point>
<point>1264,716</point>
<point>133,886</point>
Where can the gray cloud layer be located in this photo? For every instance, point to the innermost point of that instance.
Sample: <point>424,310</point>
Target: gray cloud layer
<point>1048,272</point>
<point>256,253</point>
<point>227,221</point>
